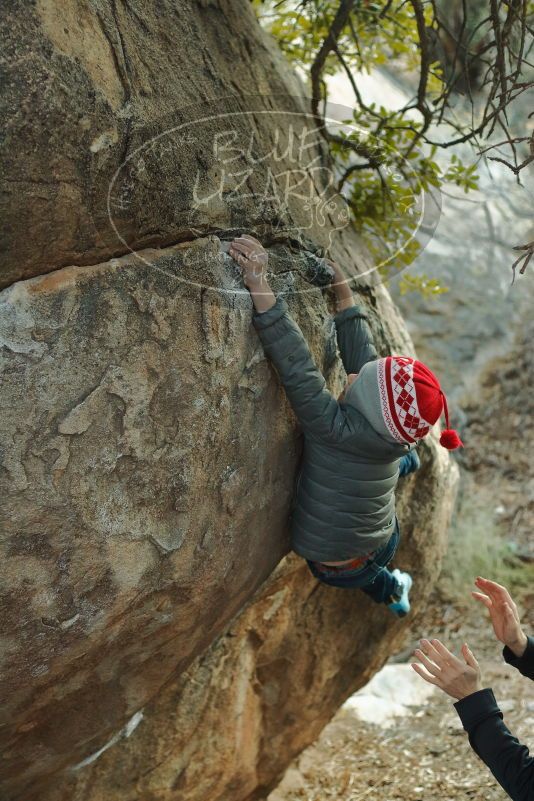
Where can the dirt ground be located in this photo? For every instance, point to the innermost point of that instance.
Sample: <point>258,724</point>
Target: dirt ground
<point>425,754</point>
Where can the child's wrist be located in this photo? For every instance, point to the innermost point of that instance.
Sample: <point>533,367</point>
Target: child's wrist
<point>342,290</point>
<point>258,284</point>
<point>341,284</point>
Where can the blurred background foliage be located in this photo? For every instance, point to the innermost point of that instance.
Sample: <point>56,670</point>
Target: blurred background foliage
<point>467,62</point>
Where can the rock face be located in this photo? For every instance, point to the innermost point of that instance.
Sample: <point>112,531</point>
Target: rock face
<point>133,124</point>
<point>227,728</point>
<point>148,451</point>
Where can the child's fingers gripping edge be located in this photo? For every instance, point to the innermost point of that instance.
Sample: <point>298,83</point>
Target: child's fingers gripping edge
<point>244,247</point>
<point>252,238</point>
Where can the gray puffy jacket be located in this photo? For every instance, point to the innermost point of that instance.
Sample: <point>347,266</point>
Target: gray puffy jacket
<point>344,504</point>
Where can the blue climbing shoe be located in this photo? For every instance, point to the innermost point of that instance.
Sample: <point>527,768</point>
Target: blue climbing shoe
<point>401,605</point>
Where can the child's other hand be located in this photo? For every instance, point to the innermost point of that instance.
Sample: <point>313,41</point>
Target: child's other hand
<point>251,257</point>
<point>340,279</point>
<point>335,267</point>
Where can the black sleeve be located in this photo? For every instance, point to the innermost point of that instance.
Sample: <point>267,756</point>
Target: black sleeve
<point>525,663</point>
<point>505,756</point>
<point>354,338</point>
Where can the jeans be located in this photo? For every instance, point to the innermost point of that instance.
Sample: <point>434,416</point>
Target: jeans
<point>409,463</point>
<point>373,578</point>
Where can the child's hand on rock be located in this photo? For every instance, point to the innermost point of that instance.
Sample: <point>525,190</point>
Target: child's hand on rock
<point>334,265</point>
<point>251,257</point>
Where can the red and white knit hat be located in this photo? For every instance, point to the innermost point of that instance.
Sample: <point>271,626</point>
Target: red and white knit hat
<point>410,399</point>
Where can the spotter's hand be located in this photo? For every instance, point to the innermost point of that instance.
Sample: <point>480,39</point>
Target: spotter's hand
<point>446,671</point>
<point>503,613</point>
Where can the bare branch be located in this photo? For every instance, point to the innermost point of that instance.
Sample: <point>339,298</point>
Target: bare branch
<point>525,257</point>
<point>340,20</point>
<point>489,57</point>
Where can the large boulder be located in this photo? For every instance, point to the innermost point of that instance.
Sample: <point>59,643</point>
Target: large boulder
<point>149,462</point>
<point>148,450</point>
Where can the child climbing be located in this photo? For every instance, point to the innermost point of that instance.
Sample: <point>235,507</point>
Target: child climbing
<point>356,446</point>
